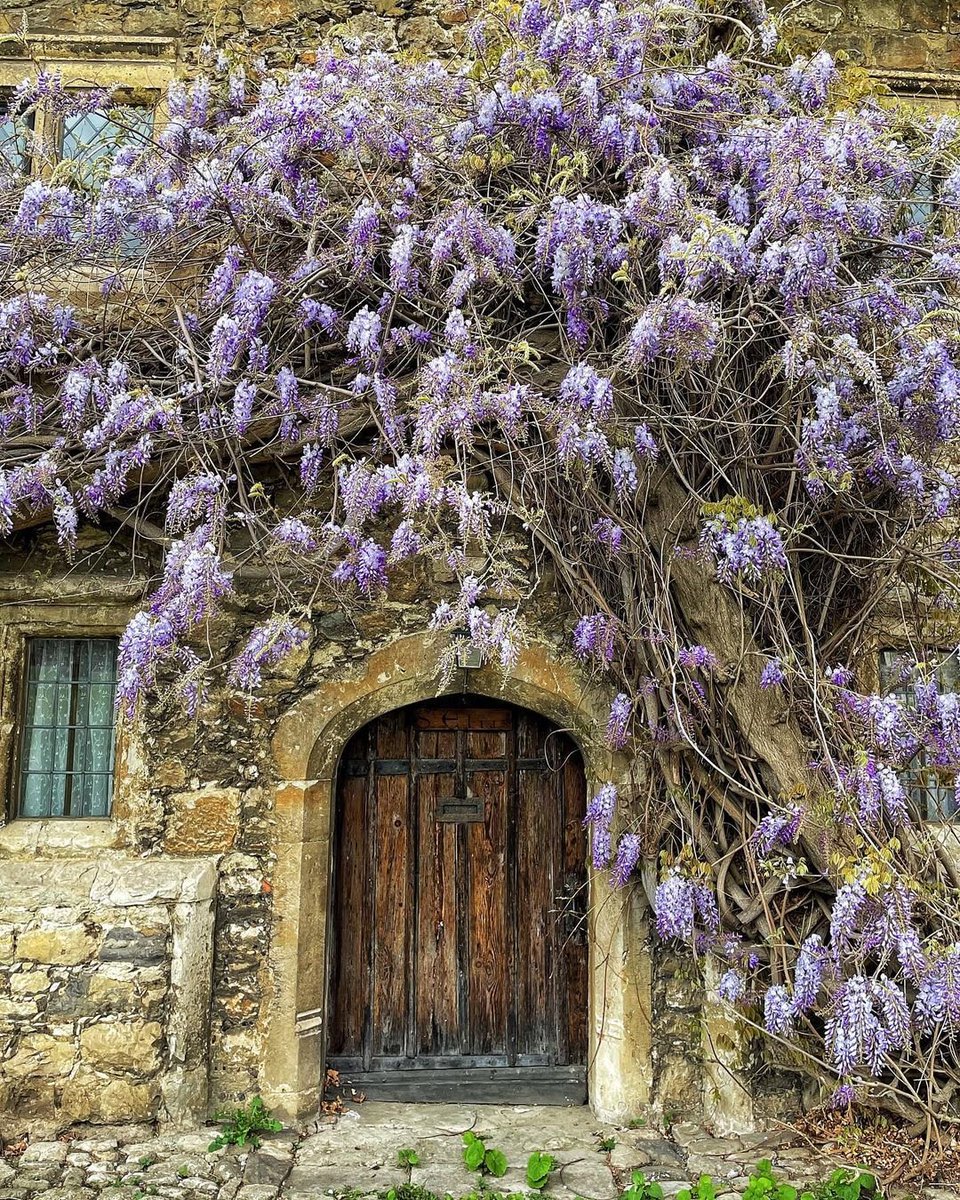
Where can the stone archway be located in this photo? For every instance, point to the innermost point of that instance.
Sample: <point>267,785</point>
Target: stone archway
<point>307,747</point>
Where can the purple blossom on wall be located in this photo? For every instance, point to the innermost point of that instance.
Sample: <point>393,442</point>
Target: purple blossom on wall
<point>868,1018</point>
<point>778,1011</point>
<point>697,658</point>
<point>628,855</point>
<point>679,902</point>
<point>594,637</point>
<point>618,723</point>
<point>269,644</point>
<point>732,986</point>
<point>777,829</point>
<point>773,674</point>
<point>743,547</point>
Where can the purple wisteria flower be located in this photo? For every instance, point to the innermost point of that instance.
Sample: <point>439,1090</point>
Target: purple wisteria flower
<point>269,644</point>
<point>777,828</point>
<point>678,902</point>
<point>698,658</point>
<point>773,674</point>
<point>618,723</point>
<point>732,986</point>
<point>869,1018</point>
<point>594,637</point>
<point>599,816</point>
<point>744,547</point>
<point>778,1011</point>
<point>808,973</point>
<point>628,855</point>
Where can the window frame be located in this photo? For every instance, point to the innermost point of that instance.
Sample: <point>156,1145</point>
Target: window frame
<point>62,608</point>
<point>902,648</point>
<point>17,776</point>
<point>124,70</point>
<point>84,62</point>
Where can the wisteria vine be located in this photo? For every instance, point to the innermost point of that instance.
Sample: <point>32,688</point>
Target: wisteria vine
<point>625,282</point>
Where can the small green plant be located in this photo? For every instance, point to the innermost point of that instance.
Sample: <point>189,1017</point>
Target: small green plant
<point>845,1185</point>
<point>183,1171</point>
<point>642,1188</point>
<point>243,1126</point>
<point>706,1189</point>
<point>636,1123</point>
<point>764,1185</point>
<point>539,1166</point>
<point>605,1145</point>
<point>409,1191</point>
<point>477,1157</point>
<point>407,1157</point>
<point>147,1160</point>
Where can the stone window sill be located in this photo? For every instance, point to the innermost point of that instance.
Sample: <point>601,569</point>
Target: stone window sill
<point>63,835</point>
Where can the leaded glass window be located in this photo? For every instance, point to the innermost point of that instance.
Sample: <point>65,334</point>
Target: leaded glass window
<point>932,789</point>
<point>14,152</point>
<point>91,139</point>
<point>66,752</point>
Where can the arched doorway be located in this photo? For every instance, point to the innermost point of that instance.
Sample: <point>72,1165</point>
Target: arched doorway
<point>458,940</point>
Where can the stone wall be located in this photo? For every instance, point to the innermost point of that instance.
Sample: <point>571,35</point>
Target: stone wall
<point>104,990</point>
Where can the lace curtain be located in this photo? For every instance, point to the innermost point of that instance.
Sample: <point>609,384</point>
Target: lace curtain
<point>66,763</point>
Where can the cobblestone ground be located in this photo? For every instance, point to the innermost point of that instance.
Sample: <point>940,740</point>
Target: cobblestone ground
<point>357,1153</point>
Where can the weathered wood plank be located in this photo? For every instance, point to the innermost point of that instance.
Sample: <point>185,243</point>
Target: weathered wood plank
<point>389,831</point>
<point>437,1017</point>
<point>488,959</point>
<point>349,986</point>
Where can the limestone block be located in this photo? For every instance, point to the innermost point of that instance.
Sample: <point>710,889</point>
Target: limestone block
<point>29,983</point>
<point>41,1055</point>
<point>91,1097</point>
<point>110,994</point>
<point>203,822</point>
<point>12,1010</point>
<point>122,1045</point>
<point>170,773</point>
<point>63,945</point>
<point>123,943</point>
<point>45,1153</point>
<point>6,943</point>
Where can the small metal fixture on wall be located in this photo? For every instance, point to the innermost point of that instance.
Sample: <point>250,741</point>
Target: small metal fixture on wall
<point>469,658</point>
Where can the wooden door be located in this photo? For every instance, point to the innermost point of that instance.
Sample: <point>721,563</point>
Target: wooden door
<point>458,932</point>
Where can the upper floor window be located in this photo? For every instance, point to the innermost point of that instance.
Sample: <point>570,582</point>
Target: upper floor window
<point>88,141</point>
<point>932,789</point>
<point>67,741</point>
<point>14,132</point>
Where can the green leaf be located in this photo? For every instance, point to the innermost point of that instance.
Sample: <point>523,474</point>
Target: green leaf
<point>496,1163</point>
<point>473,1155</point>
<point>539,1167</point>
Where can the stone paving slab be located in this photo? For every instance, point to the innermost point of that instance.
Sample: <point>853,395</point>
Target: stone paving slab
<point>357,1152</point>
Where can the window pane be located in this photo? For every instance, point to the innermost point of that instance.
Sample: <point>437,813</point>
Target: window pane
<point>931,788</point>
<point>66,762</point>
<point>13,142</point>
<point>90,140</point>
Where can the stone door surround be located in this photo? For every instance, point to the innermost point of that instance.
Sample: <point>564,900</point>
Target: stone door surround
<point>307,746</point>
